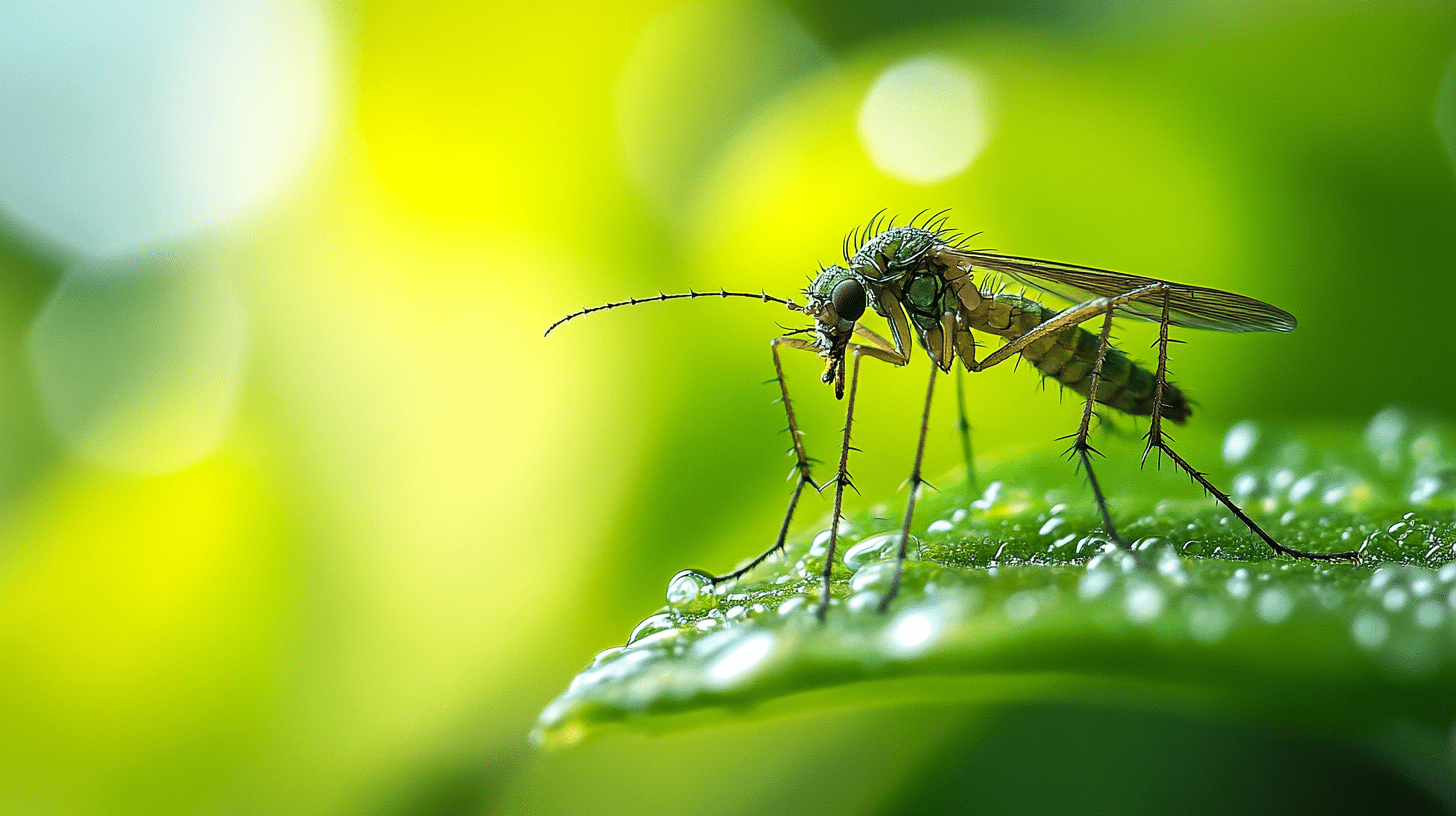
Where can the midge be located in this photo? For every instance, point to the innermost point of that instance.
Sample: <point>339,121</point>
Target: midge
<point>923,282</point>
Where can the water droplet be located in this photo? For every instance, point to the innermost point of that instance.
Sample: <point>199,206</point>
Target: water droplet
<point>1051,525</point>
<point>690,590</point>
<point>704,624</point>
<point>737,612</point>
<point>874,548</point>
<point>737,663</point>
<point>650,626</point>
<point>1447,573</point>
<point>1274,606</point>
<point>940,526</point>
<point>1381,577</point>
<point>1239,441</point>
<point>606,656</point>
<point>958,516</point>
<point>875,574</point>
<point>1370,630</point>
<point>1143,603</point>
<point>1021,607</point>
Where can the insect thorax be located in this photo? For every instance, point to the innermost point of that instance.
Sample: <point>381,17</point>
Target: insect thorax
<point>900,258</point>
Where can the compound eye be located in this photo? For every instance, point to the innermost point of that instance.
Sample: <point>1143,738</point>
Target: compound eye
<point>849,300</point>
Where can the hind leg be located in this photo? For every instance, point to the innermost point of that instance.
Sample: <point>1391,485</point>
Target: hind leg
<point>1081,448</point>
<point>1157,439</point>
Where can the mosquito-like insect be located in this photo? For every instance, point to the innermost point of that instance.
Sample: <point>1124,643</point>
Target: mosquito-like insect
<point>921,279</point>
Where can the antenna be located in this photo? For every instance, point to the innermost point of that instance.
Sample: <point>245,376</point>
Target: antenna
<point>721,293</point>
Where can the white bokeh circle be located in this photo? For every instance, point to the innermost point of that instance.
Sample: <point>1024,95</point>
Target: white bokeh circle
<point>127,125</point>
<point>924,120</point>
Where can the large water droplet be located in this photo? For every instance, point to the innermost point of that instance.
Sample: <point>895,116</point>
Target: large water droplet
<point>690,590</point>
<point>874,548</point>
<point>873,575</point>
<point>651,626</point>
<point>863,601</point>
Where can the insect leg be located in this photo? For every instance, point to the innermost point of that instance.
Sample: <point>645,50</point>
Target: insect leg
<point>1156,439</point>
<point>842,477</point>
<point>1080,447</point>
<point>915,483</point>
<point>964,426</point>
<point>801,463</point>
<point>1065,319</point>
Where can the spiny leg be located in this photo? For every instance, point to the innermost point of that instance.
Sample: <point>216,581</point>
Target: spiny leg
<point>1156,439</point>
<point>964,426</point>
<point>915,482</point>
<point>1080,446</point>
<point>801,463</point>
<point>840,480</point>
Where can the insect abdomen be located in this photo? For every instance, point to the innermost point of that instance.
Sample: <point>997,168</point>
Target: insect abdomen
<point>1069,355</point>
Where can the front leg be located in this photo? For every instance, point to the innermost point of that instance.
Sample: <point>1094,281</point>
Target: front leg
<point>841,478</point>
<point>801,458</point>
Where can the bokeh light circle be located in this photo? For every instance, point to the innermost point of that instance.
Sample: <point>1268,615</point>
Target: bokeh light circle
<point>924,120</point>
<point>127,125</point>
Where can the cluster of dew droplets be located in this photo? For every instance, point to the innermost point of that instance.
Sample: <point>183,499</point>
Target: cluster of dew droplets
<point>1024,563</point>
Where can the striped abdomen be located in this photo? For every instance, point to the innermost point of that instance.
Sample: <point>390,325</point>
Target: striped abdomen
<point>1069,355</point>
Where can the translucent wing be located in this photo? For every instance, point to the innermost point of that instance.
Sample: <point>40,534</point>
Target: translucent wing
<point>1195,307</point>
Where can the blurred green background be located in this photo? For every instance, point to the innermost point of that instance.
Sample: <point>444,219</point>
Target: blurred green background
<point>302,515</point>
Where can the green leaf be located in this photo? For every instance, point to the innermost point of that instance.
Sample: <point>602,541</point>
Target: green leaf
<point>1018,594</point>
